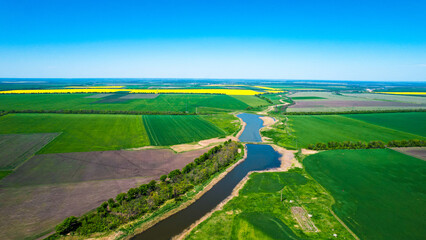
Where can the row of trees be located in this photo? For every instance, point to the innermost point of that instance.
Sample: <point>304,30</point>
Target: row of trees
<point>147,198</point>
<point>99,112</point>
<point>364,145</point>
<point>265,98</point>
<point>356,112</point>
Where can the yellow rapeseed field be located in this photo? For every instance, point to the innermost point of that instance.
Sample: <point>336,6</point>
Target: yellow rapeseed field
<point>208,91</point>
<point>405,93</point>
<point>95,87</point>
<point>109,90</point>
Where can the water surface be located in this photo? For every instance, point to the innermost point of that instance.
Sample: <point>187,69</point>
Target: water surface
<point>259,157</point>
<point>251,131</point>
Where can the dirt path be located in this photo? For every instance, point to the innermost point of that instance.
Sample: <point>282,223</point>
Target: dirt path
<point>344,225</point>
<point>208,142</point>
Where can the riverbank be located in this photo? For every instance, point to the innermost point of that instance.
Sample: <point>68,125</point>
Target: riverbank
<point>130,230</point>
<point>287,160</point>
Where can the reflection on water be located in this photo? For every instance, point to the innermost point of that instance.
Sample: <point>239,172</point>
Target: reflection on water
<point>259,157</point>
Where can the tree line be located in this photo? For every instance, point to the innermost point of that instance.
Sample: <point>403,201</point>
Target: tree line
<point>147,198</point>
<point>366,145</point>
<point>97,112</point>
<point>356,112</point>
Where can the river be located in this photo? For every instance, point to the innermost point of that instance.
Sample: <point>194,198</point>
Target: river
<point>259,157</point>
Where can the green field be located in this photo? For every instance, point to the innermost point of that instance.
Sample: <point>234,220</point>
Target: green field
<point>163,103</point>
<point>413,122</point>
<point>311,129</point>
<point>80,132</point>
<point>15,149</point>
<point>175,129</point>
<point>252,101</point>
<point>227,122</point>
<point>380,194</point>
<point>258,213</point>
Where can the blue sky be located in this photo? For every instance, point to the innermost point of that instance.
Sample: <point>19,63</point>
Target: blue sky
<point>335,40</point>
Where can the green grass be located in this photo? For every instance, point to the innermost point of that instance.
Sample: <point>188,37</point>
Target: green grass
<point>258,213</point>
<point>166,130</point>
<point>163,103</point>
<point>311,129</point>
<point>4,174</point>
<point>252,101</point>
<point>80,132</point>
<point>227,122</point>
<point>413,122</point>
<point>380,194</point>
<point>15,149</point>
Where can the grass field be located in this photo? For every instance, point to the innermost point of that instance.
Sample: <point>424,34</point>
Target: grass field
<point>311,129</point>
<point>258,213</point>
<point>380,194</point>
<point>170,130</point>
<point>80,132</point>
<point>17,148</point>
<point>162,103</point>
<point>252,101</point>
<point>413,122</point>
<point>227,122</point>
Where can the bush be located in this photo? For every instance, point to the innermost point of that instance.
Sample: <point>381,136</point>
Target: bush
<point>68,225</point>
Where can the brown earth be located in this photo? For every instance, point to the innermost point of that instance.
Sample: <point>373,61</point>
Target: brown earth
<point>417,152</point>
<point>201,144</point>
<point>100,95</point>
<point>51,187</point>
<point>89,166</point>
<point>342,103</point>
<point>27,211</point>
<point>140,96</point>
<point>352,104</point>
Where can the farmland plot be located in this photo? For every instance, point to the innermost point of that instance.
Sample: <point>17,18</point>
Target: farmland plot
<point>80,132</point>
<point>170,130</point>
<point>17,148</point>
<point>261,212</point>
<point>56,186</point>
<point>379,193</point>
<point>311,129</point>
<point>161,103</point>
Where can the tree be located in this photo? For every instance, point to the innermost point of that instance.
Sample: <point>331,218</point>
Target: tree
<point>68,225</point>
<point>173,175</point>
<point>132,193</point>
<point>111,203</point>
<point>163,178</point>
<point>120,198</point>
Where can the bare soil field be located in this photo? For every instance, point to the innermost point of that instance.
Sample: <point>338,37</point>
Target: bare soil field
<point>100,95</point>
<point>140,96</point>
<point>51,187</point>
<point>32,210</point>
<point>417,152</point>
<point>342,103</point>
<point>89,166</point>
<point>17,148</point>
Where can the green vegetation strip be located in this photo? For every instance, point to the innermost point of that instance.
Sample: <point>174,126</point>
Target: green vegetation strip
<point>166,130</point>
<point>371,188</point>
<point>260,211</point>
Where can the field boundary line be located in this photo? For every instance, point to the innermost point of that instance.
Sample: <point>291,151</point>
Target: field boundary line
<point>344,225</point>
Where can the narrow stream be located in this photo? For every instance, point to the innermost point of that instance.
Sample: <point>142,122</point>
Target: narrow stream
<point>259,157</point>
